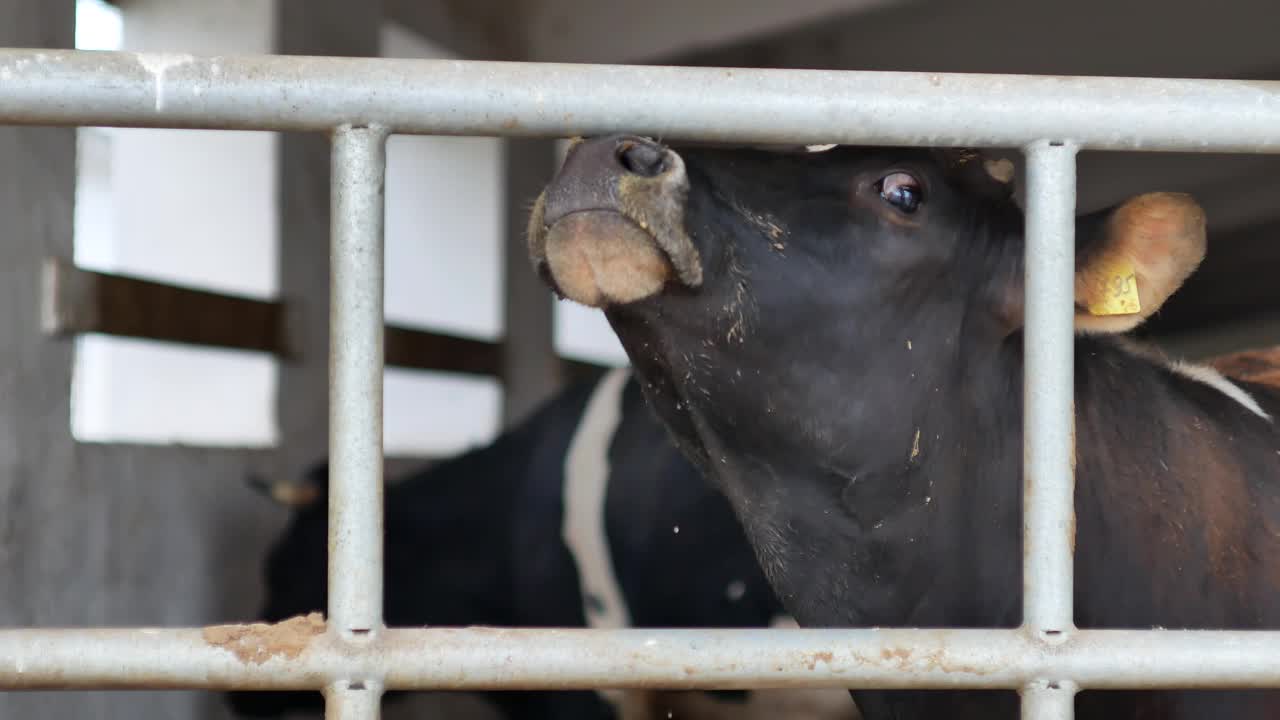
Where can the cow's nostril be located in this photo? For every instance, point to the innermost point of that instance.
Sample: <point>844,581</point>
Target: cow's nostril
<point>642,158</point>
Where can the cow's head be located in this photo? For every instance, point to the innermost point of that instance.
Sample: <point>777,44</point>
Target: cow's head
<point>295,575</point>
<point>801,320</point>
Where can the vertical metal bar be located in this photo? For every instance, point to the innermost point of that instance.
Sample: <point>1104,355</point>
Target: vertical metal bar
<point>355,381</point>
<point>1049,407</point>
<point>1048,701</point>
<point>1049,410</point>
<point>353,701</point>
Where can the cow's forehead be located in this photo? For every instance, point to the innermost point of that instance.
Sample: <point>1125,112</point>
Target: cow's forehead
<point>969,168</point>
<point>977,171</point>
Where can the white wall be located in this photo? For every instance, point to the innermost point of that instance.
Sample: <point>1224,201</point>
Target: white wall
<point>445,232</point>
<point>195,208</point>
<point>198,208</point>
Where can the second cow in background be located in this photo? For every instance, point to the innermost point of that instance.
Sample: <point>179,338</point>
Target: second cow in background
<point>582,515</point>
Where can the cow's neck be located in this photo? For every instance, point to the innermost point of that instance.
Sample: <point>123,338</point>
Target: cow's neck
<point>887,524</point>
<point>965,493</point>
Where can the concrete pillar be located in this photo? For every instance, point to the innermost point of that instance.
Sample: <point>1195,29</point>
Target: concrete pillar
<point>47,562</point>
<point>311,27</point>
<point>193,208</point>
<point>37,464</point>
<point>531,371</point>
<point>95,535</point>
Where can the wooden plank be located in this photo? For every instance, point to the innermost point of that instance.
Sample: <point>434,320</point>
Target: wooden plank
<point>579,370</point>
<point>77,301</point>
<point>422,350</point>
<point>83,301</point>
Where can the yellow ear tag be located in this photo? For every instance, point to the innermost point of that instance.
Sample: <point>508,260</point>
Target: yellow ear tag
<point>1117,290</point>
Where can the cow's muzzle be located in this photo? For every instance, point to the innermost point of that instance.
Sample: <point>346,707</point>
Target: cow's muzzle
<point>610,229</point>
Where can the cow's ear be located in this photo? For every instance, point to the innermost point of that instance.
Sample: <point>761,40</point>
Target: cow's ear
<point>1131,257</point>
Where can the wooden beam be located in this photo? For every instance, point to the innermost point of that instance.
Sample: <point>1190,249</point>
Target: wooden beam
<point>422,350</point>
<point>77,301</point>
<point>83,301</point>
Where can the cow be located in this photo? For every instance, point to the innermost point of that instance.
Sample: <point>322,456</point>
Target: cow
<point>582,515</point>
<point>834,338</point>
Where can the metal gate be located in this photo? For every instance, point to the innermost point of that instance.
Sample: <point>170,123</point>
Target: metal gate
<point>354,657</point>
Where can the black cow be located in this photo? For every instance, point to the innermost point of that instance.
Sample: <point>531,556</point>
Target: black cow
<point>835,338</point>
<point>484,539</point>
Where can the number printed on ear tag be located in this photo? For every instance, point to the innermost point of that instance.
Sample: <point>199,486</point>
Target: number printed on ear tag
<point>1117,293</point>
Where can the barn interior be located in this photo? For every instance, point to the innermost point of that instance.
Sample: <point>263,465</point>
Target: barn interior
<point>165,292</point>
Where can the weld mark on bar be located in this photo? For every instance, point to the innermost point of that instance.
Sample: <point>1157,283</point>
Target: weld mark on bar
<point>157,64</point>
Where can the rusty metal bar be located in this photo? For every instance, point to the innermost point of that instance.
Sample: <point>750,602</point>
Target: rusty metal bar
<point>301,655</point>
<point>451,97</point>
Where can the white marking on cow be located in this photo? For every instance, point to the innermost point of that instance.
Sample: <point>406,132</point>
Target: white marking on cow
<point>1217,381</point>
<point>1199,373</point>
<point>586,480</point>
<point>586,484</point>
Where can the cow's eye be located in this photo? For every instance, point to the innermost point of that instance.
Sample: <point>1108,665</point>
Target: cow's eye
<point>902,191</point>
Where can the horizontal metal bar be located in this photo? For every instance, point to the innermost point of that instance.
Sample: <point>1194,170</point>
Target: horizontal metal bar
<point>301,655</point>
<point>452,97</point>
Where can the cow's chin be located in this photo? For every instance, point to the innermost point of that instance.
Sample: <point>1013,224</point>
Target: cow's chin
<point>646,343</point>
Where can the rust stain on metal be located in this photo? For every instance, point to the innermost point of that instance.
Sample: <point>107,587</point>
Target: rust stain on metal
<point>815,658</point>
<point>259,642</point>
<point>901,654</point>
<point>904,660</point>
